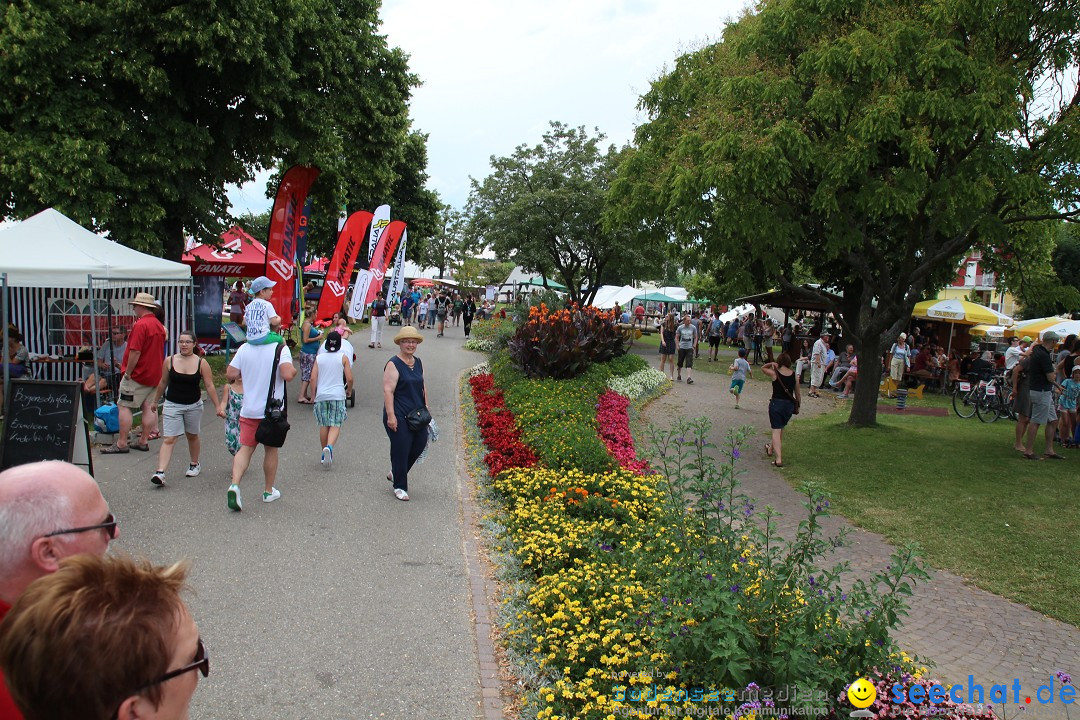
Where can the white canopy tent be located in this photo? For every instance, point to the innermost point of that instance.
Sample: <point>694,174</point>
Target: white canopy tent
<point>63,285</point>
<point>608,296</point>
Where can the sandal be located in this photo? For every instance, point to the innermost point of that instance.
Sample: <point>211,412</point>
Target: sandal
<point>1031,456</point>
<point>141,448</point>
<point>1053,456</point>
<point>371,345</point>
<point>776,464</point>
<point>768,449</point>
<point>115,449</point>
<point>154,435</point>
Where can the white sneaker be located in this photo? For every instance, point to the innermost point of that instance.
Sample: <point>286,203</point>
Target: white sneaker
<point>234,500</point>
<point>401,494</point>
<point>327,457</point>
<point>272,495</point>
<point>193,470</point>
<point>158,478</point>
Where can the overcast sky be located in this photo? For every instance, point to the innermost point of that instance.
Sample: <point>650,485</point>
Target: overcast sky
<point>496,72</point>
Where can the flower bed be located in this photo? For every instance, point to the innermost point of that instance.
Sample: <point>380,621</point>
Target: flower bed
<point>497,426</point>
<point>613,419</point>
<point>666,580</point>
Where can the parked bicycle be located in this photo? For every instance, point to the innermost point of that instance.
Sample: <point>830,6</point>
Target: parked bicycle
<point>995,400</point>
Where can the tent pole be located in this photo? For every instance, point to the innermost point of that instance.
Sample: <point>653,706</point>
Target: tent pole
<point>4,314</point>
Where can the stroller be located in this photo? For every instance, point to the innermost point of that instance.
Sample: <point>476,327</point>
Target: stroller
<point>395,314</point>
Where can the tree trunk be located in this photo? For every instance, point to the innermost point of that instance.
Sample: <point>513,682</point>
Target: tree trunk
<point>864,405</point>
<point>172,238</point>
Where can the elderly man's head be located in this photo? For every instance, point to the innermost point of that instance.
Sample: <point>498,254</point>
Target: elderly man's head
<point>48,511</point>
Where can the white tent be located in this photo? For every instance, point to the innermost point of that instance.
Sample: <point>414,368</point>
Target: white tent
<point>676,293</point>
<point>66,285</point>
<point>736,312</point>
<point>49,250</point>
<point>608,296</point>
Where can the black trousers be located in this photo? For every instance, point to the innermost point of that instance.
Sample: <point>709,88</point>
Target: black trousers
<point>468,324</point>
<point>405,447</point>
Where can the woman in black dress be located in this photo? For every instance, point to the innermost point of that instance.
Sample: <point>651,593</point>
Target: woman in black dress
<point>403,392</point>
<point>667,345</point>
<point>785,396</point>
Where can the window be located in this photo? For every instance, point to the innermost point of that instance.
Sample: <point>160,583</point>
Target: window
<point>65,323</point>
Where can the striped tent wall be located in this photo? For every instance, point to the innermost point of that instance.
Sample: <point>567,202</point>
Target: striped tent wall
<point>58,321</point>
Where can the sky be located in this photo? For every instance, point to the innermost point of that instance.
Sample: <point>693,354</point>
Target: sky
<point>495,72</point>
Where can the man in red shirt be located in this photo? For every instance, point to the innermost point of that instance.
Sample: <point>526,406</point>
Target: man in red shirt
<point>48,511</point>
<point>142,364</point>
<point>639,314</point>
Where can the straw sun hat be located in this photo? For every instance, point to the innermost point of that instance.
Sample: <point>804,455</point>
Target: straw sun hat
<point>408,333</point>
<point>144,299</point>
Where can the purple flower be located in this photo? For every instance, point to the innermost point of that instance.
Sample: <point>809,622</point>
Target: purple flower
<point>811,579</point>
<point>1064,677</point>
<point>843,597</point>
<point>735,453</point>
<point>742,559</point>
<point>708,576</point>
<point>664,600</point>
<point>735,589</point>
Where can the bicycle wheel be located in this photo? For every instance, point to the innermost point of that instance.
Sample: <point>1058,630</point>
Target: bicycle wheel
<point>987,408</point>
<point>963,403</point>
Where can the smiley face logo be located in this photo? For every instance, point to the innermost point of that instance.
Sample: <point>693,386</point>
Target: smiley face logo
<point>861,693</point>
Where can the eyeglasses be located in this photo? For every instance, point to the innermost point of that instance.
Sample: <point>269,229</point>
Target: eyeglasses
<point>201,662</point>
<point>109,526</point>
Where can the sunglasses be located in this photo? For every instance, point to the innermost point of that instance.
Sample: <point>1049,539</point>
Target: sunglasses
<point>109,526</point>
<point>201,662</point>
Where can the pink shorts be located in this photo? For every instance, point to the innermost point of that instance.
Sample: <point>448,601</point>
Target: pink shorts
<point>248,427</point>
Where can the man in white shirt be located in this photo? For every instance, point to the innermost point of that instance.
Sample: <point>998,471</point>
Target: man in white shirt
<point>253,365</point>
<point>1012,355</point>
<point>818,360</point>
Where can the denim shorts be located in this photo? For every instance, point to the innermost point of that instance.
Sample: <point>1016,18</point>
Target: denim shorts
<point>780,411</point>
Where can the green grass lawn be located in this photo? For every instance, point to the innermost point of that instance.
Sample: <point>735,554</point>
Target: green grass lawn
<point>958,488</point>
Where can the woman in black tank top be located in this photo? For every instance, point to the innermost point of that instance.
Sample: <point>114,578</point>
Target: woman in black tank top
<point>785,397</point>
<point>181,375</point>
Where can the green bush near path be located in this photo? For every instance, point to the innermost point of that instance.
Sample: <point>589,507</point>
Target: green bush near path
<point>958,488</point>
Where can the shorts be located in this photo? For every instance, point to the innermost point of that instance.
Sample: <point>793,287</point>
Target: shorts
<point>714,341</point>
<point>896,370</point>
<point>330,413</point>
<point>817,375</point>
<point>780,411</point>
<point>232,421</point>
<point>686,358</point>
<point>737,386</point>
<point>307,361</point>
<point>177,419</point>
<point>133,395</point>
<point>440,315</point>
<point>248,426</point>
<point>1042,407</point>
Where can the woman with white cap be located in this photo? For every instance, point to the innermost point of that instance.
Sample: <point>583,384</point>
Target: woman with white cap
<point>404,393</point>
<point>901,359</point>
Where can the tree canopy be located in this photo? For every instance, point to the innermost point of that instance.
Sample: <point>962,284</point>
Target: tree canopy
<point>133,119</point>
<point>868,143</point>
<point>543,207</point>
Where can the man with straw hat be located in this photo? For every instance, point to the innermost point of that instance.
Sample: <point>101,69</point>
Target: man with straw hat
<point>141,367</point>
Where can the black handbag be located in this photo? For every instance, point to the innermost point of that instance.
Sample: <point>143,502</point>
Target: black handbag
<point>418,419</point>
<point>275,423</point>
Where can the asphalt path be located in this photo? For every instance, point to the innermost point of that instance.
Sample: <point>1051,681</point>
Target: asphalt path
<point>338,600</point>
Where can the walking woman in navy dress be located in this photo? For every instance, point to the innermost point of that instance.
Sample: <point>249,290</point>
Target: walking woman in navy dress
<point>403,392</point>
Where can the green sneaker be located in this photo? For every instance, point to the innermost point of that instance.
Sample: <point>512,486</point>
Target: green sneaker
<point>234,498</point>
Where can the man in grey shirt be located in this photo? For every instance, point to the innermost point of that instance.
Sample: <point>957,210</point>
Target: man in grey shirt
<point>686,336</point>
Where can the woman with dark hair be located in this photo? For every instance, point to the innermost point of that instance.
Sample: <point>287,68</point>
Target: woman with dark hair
<point>667,345</point>
<point>333,381</point>
<point>182,412</point>
<point>1066,358</point>
<point>782,405</point>
<point>404,392</point>
<point>468,311</point>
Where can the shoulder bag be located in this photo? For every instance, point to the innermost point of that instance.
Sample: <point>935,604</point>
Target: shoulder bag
<point>794,400</point>
<point>418,418</point>
<point>275,423</point>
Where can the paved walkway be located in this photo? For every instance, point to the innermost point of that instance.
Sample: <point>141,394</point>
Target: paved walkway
<point>336,601</point>
<point>964,630</point>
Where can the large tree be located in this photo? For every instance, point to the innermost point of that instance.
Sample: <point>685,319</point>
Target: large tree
<point>543,207</point>
<point>133,118</point>
<point>868,143</point>
<point>449,244</point>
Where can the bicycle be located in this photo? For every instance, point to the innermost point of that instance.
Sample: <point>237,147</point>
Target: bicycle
<point>965,400</point>
<point>995,400</point>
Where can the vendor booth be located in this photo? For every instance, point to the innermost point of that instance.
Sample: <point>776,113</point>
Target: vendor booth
<point>64,286</point>
<point>239,255</point>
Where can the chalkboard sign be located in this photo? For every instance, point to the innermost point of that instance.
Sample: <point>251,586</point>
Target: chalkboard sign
<point>43,421</point>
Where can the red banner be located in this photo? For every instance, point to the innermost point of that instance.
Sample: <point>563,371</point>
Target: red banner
<point>351,238</point>
<point>288,223</point>
<point>383,255</point>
